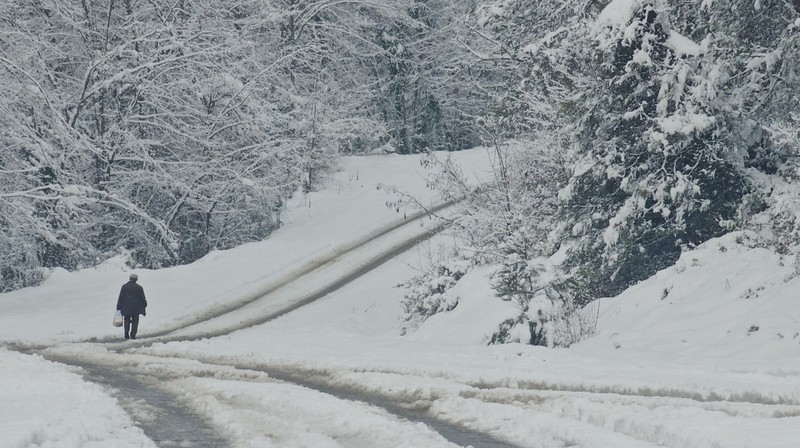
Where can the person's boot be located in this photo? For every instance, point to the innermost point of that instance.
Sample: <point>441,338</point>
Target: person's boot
<point>134,327</point>
<point>127,327</point>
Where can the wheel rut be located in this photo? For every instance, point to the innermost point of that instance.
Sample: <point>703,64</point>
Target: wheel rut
<point>454,433</point>
<point>169,423</point>
<point>156,411</point>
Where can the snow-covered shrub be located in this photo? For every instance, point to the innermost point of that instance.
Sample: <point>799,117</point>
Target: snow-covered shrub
<point>514,210</point>
<point>523,330</point>
<point>427,292</point>
<point>551,319</point>
<point>515,280</point>
<point>569,323</point>
<point>552,311</point>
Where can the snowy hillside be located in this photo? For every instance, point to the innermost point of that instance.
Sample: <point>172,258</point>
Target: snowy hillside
<point>730,302</point>
<point>703,354</point>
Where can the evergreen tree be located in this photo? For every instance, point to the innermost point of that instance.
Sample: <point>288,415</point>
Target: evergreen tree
<point>654,173</point>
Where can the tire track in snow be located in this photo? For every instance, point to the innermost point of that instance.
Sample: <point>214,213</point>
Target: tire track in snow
<point>183,331</point>
<point>708,396</point>
<point>459,425</point>
<point>563,418</point>
<point>732,408</point>
<point>454,433</point>
<point>560,417</point>
<point>628,420</point>
<point>152,408</point>
<point>657,420</point>
<point>141,395</point>
<point>305,299</point>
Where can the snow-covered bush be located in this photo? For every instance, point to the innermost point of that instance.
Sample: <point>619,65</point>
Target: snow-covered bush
<point>554,312</point>
<point>427,292</point>
<point>514,209</point>
<point>553,318</point>
<point>523,330</point>
<point>568,323</point>
<point>508,221</point>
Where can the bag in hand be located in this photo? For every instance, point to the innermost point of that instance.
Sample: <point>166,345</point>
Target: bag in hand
<point>117,319</point>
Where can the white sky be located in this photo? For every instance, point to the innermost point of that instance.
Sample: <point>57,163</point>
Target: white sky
<point>677,360</point>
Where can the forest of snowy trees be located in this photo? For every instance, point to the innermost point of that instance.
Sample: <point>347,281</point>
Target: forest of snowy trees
<point>163,130</point>
<point>623,132</point>
<point>643,128</point>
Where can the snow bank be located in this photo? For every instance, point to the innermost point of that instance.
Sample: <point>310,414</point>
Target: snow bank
<point>43,405</point>
<point>478,314</point>
<point>730,301</point>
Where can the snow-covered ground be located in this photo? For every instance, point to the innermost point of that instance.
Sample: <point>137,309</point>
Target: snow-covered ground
<point>704,354</point>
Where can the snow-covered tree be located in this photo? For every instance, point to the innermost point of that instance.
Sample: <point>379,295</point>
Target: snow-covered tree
<point>688,96</point>
<point>167,130</point>
<point>138,127</point>
<point>655,171</point>
<point>542,50</point>
<point>663,112</point>
<point>429,87</point>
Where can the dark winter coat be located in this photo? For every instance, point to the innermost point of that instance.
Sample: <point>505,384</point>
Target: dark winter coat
<point>131,299</point>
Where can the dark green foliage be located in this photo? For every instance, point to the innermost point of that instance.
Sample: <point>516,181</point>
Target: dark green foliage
<point>516,278</point>
<point>427,292</point>
<point>503,335</point>
<point>660,178</point>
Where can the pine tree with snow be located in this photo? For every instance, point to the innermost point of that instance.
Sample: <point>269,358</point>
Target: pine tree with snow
<point>654,173</point>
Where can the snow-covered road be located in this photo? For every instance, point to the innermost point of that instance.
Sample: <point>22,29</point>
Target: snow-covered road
<point>178,402</point>
<point>304,405</point>
<point>689,369</point>
<point>164,412</point>
<point>214,394</point>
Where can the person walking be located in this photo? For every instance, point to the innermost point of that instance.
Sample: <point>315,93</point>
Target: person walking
<point>131,303</point>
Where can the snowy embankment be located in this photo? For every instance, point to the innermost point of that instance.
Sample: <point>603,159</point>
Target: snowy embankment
<point>703,354</point>
<point>729,302</point>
